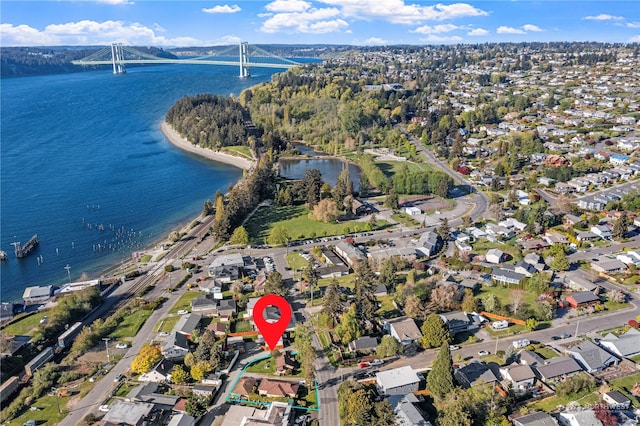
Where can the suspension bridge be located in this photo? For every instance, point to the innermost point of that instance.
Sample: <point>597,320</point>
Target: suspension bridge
<point>118,56</point>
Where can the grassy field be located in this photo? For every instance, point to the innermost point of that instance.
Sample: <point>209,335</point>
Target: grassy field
<point>46,413</point>
<point>184,302</point>
<point>265,366</point>
<point>390,168</point>
<point>239,151</point>
<point>295,219</point>
<point>347,281</point>
<point>296,262</point>
<point>166,324</point>
<point>504,294</point>
<point>131,324</point>
<point>24,326</point>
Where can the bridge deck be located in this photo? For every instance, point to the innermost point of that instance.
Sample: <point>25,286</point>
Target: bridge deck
<point>185,61</point>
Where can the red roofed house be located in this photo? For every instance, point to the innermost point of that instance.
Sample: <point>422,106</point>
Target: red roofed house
<point>244,387</point>
<point>582,298</point>
<point>278,388</point>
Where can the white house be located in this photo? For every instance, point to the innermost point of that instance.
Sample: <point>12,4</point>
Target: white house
<point>398,381</point>
<point>494,255</point>
<point>412,211</point>
<point>520,376</point>
<point>602,231</point>
<point>626,345</point>
<point>176,346</point>
<point>629,258</point>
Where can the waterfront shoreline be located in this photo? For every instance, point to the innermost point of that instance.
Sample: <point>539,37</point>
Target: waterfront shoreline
<point>175,139</point>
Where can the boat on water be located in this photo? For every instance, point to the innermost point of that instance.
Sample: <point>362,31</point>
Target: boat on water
<point>3,255</point>
<point>24,250</point>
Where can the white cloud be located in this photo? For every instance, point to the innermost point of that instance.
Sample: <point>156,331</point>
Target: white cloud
<point>398,12</point>
<point>634,39</point>
<point>375,40</point>
<point>604,17</point>
<point>310,21</point>
<point>436,29</point>
<point>633,24</point>
<point>442,39</point>
<point>222,9</point>
<point>228,39</point>
<point>508,30</point>
<point>288,6</point>
<point>88,32</point>
<point>478,32</point>
<point>531,27</point>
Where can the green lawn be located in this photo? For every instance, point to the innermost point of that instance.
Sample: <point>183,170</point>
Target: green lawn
<point>296,262</point>
<point>483,245</point>
<point>239,151</point>
<point>295,219</point>
<point>265,366</point>
<point>390,168</point>
<point>347,281</point>
<point>549,404</point>
<point>546,352</point>
<point>387,308</point>
<point>184,302</point>
<point>614,306</point>
<point>24,326</point>
<point>166,324</point>
<point>625,384</point>
<point>241,325</point>
<point>131,324</point>
<point>404,219</point>
<point>504,294</point>
<point>47,412</point>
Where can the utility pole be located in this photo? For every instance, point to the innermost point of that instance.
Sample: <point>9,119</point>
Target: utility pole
<point>106,345</point>
<point>68,268</point>
<point>497,338</point>
<point>577,325</point>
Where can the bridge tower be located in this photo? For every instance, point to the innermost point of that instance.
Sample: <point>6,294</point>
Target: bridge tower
<point>244,59</point>
<point>117,58</point>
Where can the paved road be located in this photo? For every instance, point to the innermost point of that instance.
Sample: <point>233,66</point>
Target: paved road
<point>479,198</point>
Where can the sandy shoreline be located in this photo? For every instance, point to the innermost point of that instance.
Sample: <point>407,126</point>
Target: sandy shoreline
<point>177,140</point>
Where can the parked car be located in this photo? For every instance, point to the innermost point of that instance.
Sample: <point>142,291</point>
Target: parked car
<point>483,353</point>
<point>454,347</point>
<point>376,362</point>
<point>565,335</point>
<point>104,408</point>
<point>118,378</point>
<point>182,312</point>
<point>122,346</point>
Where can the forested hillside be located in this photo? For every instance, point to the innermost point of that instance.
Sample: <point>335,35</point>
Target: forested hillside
<point>210,121</point>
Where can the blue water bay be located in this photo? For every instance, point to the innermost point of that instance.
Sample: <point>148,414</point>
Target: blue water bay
<point>84,165</point>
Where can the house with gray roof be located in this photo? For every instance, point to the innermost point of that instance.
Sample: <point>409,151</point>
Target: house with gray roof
<point>398,381</point>
<point>148,392</point>
<point>403,329</point>
<point>364,344</point>
<point>128,413</point>
<point>530,358</point>
<point>592,357</point>
<point>557,368</point>
<point>159,373</point>
<point>520,377</point>
<point>585,417</point>
<point>459,321</point>
<point>407,412</point>
<point>537,418</point>
<point>506,276</point>
<point>429,243</point>
<point>176,346</point>
<point>477,373</point>
<point>187,324</point>
<point>626,345</point>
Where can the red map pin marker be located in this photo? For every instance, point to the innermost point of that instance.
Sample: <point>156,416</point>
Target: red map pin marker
<point>272,331</point>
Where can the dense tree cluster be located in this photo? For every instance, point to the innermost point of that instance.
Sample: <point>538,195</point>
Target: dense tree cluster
<point>210,121</point>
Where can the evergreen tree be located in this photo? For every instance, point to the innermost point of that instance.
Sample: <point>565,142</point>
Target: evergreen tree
<point>391,200</point>
<point>434,332</point>
<point>388,346</point>
<point>440,378</point>
<point>274,284</point>
<point>311,276</point>
<point>620,226</point>
<point>365,282</point>
<point>560,261</point>
<point>332,305</point>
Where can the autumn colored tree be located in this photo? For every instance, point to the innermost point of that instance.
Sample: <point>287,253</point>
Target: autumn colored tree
<point>325,211</point>
<point>146,359</point>
<point>179,375</point>
<point>240,236</point>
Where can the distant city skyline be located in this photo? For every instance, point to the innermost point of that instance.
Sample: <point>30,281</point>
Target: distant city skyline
<point>356,22</point>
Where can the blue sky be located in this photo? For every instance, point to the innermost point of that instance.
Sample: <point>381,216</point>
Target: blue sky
<point>360,22</point>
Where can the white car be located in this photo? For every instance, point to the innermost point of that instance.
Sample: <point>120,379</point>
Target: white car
<point>104,408</point>
<point>454,347</point>
<point>376,362</point>
<point>483,353</point>
<point>122,346</point>
<point>182,312</point>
